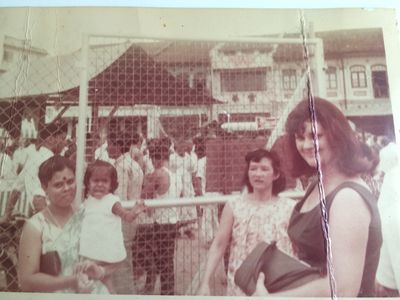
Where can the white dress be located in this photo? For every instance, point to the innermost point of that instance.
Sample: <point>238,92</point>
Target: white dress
<point>101,236</point>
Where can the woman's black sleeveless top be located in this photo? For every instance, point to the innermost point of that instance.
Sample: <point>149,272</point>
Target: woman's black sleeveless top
<point>306,233</point>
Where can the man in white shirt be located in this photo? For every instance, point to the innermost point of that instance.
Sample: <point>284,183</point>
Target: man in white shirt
<point>7,166</point>
<point>101,152</point>
<point>208,214</point>
<point>130,174</point>
<point>22,153</point>
<point>136,149</point>
<point>388,273</point>
<point>184,164</point>
<point>52,141</point>
<point>130,181</point>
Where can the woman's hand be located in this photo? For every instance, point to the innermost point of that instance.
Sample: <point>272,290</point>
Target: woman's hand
<point>91,269</point>
<point>261,290</point>
<point>83,284</point>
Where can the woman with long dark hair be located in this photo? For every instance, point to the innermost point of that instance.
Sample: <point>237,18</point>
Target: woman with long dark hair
<point>336,226</point>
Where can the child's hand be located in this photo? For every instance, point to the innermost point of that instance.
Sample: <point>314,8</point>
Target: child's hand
<point>139,207</point>
<point>83,284</point>
<point>129,217</point>
<point>91,269</point>
<point>135,211</point>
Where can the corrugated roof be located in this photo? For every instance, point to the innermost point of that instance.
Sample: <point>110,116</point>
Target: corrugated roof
<point>118,73</point>
<point>136,78</point>
<point>182,52</point>
<point>338,43</point>
<point>355,42</point>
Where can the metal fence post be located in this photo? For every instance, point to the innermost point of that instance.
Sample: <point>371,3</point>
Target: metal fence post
<point>81,132</point>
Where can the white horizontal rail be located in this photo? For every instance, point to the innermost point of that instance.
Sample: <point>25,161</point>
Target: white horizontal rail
<point>273,40</point>
<point>201,200</point>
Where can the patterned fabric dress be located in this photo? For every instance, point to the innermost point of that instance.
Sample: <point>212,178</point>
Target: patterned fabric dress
<point>254,222</point>
<point>66,242</point>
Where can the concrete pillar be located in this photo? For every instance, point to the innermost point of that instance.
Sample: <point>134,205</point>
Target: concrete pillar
<point>153,122</point>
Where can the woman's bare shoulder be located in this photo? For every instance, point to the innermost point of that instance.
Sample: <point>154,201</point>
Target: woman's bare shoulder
<point>36,221</point>
<point>34,226</point>
<point>351,201</point>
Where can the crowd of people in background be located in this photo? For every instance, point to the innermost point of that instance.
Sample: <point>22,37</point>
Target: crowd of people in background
<point>130,167</point>
<point>134,169</point>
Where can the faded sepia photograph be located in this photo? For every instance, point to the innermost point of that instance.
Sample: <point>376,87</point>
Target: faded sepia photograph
<point>199,152</point>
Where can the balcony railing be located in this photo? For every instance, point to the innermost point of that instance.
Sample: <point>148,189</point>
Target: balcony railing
<point>373,107</point>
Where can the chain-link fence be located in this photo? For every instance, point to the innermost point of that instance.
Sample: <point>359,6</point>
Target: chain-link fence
<point>31,83</point>
<point>210,101</point>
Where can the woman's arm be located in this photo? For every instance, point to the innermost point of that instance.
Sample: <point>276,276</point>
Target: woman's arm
<point>217,248</point>
<point>348,228</point>
<point>29,275</point>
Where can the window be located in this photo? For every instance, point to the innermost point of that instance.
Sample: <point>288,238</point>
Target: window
<point>243,80</point>
<point>289,79</point>
<point>379,81</point>
<point>358,76</point>
<point>200,81</point>
<point>378,68</point>
<point>331,78</point>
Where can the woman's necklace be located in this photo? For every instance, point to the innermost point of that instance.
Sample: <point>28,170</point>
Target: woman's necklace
<point>53,218</point>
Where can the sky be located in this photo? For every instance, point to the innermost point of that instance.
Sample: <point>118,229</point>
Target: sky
<point>60,29</point>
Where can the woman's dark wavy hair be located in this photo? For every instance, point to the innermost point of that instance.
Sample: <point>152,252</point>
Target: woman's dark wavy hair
<point>53,165</point>
<point>256,156</point>
<point>341,138</point>
<point>104,166</point>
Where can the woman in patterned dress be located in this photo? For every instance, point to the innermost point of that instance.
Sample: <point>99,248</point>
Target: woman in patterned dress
<point>57,228</point>
<point>258,215</point>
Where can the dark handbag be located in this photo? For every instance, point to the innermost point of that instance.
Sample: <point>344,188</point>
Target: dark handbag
<point>50,263</point>
<point>282,272</point>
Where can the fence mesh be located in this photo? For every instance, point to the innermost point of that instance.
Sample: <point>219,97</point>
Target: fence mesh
<point>212,101</point>
<point>208,102</point>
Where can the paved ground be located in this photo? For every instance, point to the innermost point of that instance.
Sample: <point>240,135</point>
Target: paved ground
<point>190,258</point>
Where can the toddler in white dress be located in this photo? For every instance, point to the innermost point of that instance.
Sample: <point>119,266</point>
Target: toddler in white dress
<point>101,236</point>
